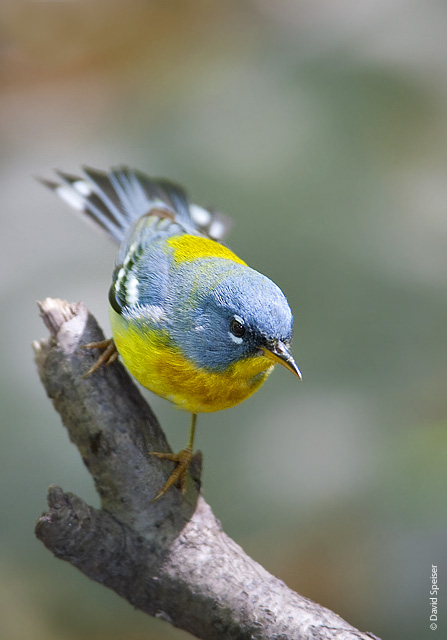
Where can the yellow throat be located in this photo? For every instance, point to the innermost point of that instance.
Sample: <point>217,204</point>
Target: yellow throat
<point>164,370</point>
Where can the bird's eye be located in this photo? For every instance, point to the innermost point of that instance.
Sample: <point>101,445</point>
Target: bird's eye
<point>237,328</point>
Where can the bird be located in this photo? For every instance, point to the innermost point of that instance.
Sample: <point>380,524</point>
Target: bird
<point>190,320</point>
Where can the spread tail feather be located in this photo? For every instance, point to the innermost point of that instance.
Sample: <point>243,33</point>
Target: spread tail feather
<point>115,200</point>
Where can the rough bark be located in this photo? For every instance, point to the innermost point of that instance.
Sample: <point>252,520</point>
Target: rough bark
<point>170,559</point>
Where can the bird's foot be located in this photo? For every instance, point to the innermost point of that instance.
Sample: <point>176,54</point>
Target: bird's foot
<point>183,460</point>
<point>108,355</point>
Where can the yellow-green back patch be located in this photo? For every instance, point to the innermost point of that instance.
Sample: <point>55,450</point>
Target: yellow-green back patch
<point>188,248</point>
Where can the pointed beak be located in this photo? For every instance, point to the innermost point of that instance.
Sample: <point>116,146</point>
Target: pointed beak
<point>279,353</point>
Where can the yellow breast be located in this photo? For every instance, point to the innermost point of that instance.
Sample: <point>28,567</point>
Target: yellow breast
<point>164,370</point>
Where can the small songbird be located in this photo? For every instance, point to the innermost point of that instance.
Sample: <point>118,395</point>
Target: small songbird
<point>190,320</point>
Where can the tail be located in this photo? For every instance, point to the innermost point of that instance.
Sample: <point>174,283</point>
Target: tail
<point>117,199</point>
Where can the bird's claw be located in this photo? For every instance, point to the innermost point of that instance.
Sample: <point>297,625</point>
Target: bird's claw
<point>108,355</point>
<point>183,460</point>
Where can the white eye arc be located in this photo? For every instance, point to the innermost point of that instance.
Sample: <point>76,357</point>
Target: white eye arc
<point>237,329</point>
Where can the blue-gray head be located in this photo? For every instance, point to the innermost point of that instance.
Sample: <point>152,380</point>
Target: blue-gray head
<point>245,314</point>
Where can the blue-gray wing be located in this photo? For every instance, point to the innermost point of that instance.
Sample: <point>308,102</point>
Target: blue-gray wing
<point>141,284</point>
<point>139,213</point>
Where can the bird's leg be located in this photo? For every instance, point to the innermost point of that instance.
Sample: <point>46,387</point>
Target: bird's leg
<point>109,354</point>
<point>182,459</point>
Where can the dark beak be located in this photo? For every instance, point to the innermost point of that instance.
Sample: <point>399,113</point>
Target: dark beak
<point>279,353</point>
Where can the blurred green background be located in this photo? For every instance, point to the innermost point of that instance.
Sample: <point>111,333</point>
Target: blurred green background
<point>321,128</point>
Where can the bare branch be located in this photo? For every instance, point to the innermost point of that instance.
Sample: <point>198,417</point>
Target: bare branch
<point>170,559</point>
